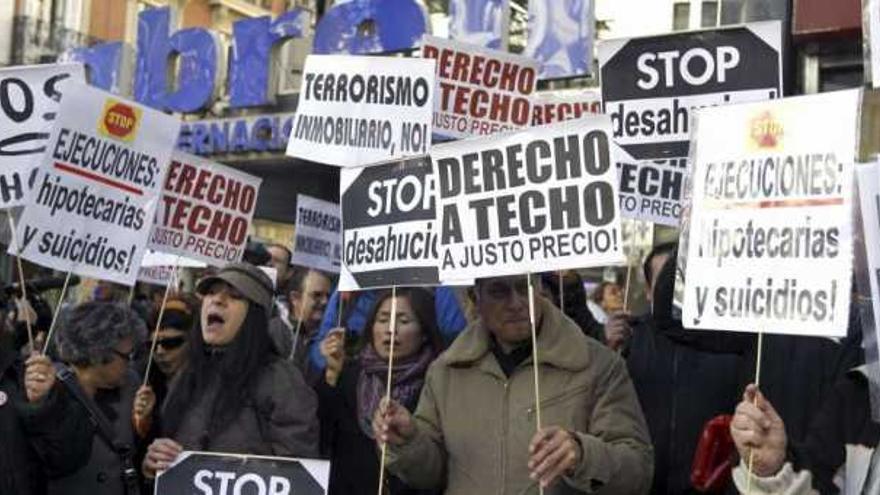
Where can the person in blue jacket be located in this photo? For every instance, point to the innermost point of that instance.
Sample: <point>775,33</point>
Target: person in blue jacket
<point>450,318</point>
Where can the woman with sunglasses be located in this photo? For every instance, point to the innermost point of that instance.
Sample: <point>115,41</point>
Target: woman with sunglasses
<point>79,421</point>
<point>352,389</point>
<point>235,393</point>
<point>169,357</point>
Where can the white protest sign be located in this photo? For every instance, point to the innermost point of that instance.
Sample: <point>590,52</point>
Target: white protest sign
<point>29,99</point>
<point>532,201</point>
<point>770,244</point>
<point>555,106</point>
<point>389,228</point>
<point>317,241</point>
<point>359,110</point>
<point>650,87</point>
<point>871,33</point>
<point>156,275</point>
<point>155,258</point>
<point>97,187</point>
<point>480,91</point>
<point>205,211</point>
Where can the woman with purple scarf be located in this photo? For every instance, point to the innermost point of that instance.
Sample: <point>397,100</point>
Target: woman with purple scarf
<point>353,387</point>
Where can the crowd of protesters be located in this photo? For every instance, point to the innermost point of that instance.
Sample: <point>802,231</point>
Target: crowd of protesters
<point>630,404</point>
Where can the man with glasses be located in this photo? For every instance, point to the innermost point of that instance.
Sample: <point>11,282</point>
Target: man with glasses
<point>79,415</point>
<point>474,430</point>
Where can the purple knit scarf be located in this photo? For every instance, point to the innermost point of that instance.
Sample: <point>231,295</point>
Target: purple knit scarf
<point>408,376</point>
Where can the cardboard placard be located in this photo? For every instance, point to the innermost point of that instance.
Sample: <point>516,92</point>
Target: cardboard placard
<point>359,110</point>
<point>205,212</point>
<point>650,87</point>
<point>536,200</point>
<point>770,236</point>
<point>29,99</point>
<point>97,187</point>
<point>480,91</point>
<point>317,240</point>
<point>556,106</point>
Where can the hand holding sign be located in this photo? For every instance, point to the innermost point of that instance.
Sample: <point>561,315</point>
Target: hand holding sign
<point>160,455</point>
<point>392,423</point>
<point>39,377</point>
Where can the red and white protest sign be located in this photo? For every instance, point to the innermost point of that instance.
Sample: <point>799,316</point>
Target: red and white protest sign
<point>555,106</point>
<point>479,91</point>
<point>205,211</point>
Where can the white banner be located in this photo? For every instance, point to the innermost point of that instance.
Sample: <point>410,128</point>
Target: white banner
<point>360,110</point>
<point>29,99</point>
<point>532,201</point>
<point>770,237</point>
<point>206,210</point>
<point>480,91</point>
<point>317,240</point>
<point>98,186</point>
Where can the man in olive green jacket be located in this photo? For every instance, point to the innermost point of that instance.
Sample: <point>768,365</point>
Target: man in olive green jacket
<point>474,431</point>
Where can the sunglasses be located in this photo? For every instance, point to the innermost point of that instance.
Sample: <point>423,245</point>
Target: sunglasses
<point>170,343</point>
<point>130,356</point>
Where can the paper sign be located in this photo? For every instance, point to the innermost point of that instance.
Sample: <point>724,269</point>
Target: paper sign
<point>770,238</point>
<point>532,201</point>
<point>389,227</point>
<point>317,241</point>
<point>29,99</point>
<point>650,87</point>
<point>208,472</point>
<point>480,91</point>
<point>97,187</point>
<point>555,106</point>
<point>359,110</point>
<point>205,212</point>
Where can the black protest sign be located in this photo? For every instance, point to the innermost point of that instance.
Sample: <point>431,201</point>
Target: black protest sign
<point>535,200</point>
<point>388,220</point>
<point>29,100</point>
<point>650,87</point>
<point>202,473</point>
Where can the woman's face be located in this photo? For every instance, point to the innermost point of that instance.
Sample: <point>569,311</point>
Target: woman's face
<point>223,312</point>
<point>408,332</point>
<point>171,350</point>
<point>612,298</point>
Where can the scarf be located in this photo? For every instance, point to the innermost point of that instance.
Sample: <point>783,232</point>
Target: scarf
<point>408,376</point>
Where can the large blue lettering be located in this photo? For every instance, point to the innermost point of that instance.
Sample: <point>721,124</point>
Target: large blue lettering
<point>370,26</point>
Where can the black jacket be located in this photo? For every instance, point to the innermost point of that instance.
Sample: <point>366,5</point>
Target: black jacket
<point>19,469</point>
<point>354,466</point>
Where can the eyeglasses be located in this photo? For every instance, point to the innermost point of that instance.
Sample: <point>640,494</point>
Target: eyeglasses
<point>130,357</point>
<point>170,343</point>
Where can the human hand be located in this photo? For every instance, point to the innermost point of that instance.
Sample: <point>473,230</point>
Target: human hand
<point>757,428</point>
<point>333,350</point>
<point>553,453</point>
<point>393,423</point>
<point>160,454</point>
<point>617,330</point>
<point>39,377</point>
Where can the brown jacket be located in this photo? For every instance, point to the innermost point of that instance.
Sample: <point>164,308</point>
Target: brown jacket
<point>474,425</point>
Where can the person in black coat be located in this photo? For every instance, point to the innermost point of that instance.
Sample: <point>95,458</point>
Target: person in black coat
<point>574,301</point>
<point>352,388</point>
<point>20,471</point>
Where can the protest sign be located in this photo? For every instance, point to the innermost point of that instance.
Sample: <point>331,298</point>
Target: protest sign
<point>97,186</point>
<point>209,473</point>
<point>156,275</point>
<point>358,110</point>
<point>29,99</point>
<point>157,268</point>
<point>317,241</point>
<point>650,87</point>
<point>389,234</point>
<point>867,273</point>
<point>480,91</point>
<point>871,33</point>
<point>555,106</point>
<point>205,211</point>
<point>770,239</point>
<point>536,200</point>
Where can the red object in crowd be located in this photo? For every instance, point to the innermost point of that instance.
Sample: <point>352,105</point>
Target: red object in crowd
<point>714,457</point>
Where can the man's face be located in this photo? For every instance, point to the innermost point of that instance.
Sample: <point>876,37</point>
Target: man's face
<point>112,374</point>
<point>503,304</point>
<point>657,263</point>
<point>280,262</point>
<point>310,301</point>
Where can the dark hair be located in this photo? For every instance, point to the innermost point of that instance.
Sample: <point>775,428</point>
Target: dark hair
<point>90,331</point>
<point>422,302</point>
<point>659,249</point>
<point>598,294</point>
<point>298,275</point>
<point>237,367</point>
